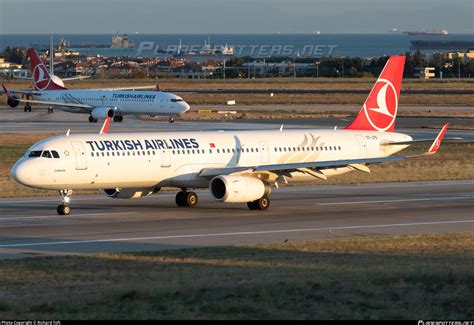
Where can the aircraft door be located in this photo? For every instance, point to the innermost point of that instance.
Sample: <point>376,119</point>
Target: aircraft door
<point>362,146</point>
<point>80,154</point>
<point>165,158</point>
<point>265,154</point>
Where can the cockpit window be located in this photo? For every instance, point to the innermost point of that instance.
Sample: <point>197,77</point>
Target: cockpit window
<point>46,154</point>
<point>55,153</point>
<point>35,154</point>
<point>174,100</point>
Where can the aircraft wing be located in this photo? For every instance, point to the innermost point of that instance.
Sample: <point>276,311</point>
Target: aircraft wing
<point>63,104</point>
<point>22,92</point>
<point>151,87</point>
<point>43,102</point>
<point>313,168</point>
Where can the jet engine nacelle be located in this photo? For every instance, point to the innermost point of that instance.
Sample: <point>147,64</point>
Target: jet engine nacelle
<point>13,101</point>
<point>103,112</point>
<point>234,189</point>
<point>129,193</point>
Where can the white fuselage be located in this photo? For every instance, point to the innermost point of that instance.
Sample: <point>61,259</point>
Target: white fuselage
<point>123,102</point>
<point>149,160</point>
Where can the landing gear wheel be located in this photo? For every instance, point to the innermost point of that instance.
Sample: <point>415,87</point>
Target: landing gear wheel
<point>191,199</point>
<point>63,210</point>
<point>116,118</point>
<point>50,110</point>
<point>27,107</point>
<point>261,204</point>
<point>120,118</point>
<point>91,119</point>
<point>171,119</point>
<point>181,199</point>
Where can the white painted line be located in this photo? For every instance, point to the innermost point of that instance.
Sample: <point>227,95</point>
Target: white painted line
<point>68,217</point>
<point>242,233</point>
<point>401,200</point>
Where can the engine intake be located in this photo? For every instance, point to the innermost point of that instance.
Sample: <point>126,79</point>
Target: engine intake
<point>129,193</point>
<point>234,189</point>
<point>103,112</point>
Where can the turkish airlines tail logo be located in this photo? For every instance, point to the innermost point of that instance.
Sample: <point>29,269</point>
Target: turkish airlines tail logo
<point>41,77</point>
<point>380,108</point>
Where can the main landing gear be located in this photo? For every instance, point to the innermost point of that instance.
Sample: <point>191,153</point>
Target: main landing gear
<point>92,120</point>
<point>260,204</point>
<point>27,107</point>
<point>118,118</point>
<point>64,209</point>
<point>186,199</point>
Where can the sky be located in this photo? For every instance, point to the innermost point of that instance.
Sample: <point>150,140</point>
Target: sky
<point>233,16</point>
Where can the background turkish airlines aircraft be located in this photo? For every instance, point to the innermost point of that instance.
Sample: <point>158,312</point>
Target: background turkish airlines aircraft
<point>98,103</point>
<point>240,166</point>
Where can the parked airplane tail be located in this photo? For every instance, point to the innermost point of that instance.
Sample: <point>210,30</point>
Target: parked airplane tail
<point>380,108</point>
<point>41,77</point>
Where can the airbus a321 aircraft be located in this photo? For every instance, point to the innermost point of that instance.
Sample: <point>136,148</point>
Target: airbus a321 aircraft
<point>236,166</point>
<point>98,103</point>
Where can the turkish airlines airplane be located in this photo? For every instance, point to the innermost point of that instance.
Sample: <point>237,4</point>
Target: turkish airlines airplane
<point>236,166</point>
<point>98,103</point>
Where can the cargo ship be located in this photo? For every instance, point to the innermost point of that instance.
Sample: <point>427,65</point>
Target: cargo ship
<point>121,42</point>
<point>444,32</point>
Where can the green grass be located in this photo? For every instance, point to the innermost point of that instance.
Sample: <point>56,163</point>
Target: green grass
<point>413,277</point>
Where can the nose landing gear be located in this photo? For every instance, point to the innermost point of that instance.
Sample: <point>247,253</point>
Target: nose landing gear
<point>64,209</point>
<point>171,119</point>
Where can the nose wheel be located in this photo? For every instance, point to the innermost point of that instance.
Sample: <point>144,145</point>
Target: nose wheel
<point>186,199</point>
<point>64,209</point>
<point>171,119</point>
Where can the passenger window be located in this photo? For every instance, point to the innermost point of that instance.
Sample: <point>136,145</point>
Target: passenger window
<point>55,154</point>
<point>46,154</point>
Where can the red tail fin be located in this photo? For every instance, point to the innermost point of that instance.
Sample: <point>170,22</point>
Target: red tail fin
<point>41,76</point>
<point>380,108</point>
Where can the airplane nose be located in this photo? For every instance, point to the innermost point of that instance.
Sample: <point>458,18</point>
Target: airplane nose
<point>186,107</point>
<point>19,173</point>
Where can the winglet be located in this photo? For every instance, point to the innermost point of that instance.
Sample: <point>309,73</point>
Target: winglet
<point>6,91</point>
<point>437,142</point>
<point>105,126</point>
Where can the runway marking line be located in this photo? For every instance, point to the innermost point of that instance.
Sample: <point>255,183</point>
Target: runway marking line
<point>401,200</point>
<point>263,232</point>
